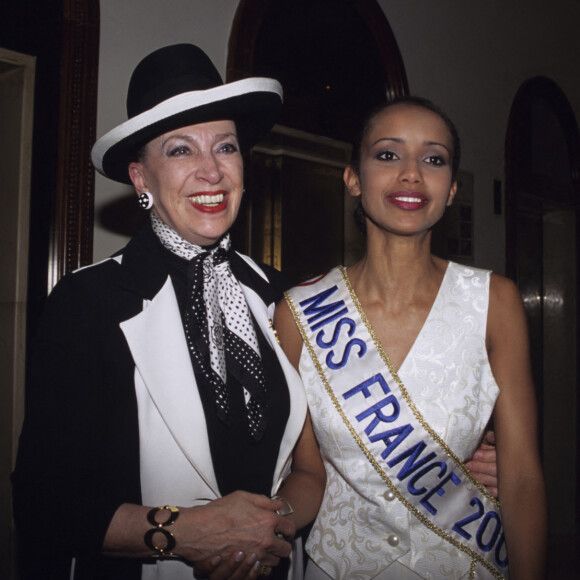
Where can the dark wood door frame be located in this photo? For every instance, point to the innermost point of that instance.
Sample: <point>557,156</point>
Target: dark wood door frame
<point>71,233</point>
<point>63,37</point>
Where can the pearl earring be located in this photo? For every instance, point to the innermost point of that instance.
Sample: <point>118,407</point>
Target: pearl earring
<point>146,200</point>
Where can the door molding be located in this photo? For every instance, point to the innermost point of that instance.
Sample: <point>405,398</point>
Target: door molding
<point>71,233</point>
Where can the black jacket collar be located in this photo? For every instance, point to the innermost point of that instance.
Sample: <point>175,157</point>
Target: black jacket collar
<point>144,270</point>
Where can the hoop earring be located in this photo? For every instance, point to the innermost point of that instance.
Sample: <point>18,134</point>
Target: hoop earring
<point>145,200</point>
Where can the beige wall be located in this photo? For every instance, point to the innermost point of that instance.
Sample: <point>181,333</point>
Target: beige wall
<point>469,57</point>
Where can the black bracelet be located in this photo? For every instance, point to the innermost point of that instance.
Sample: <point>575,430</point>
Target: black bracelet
<point>159,527</point>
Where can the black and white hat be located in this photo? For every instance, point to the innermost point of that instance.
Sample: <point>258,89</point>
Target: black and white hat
<point>176,86</point>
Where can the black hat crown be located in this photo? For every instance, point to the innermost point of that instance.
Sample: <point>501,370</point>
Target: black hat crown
<point>170,71</point>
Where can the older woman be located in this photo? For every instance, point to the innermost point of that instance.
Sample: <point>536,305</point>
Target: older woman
<point>158,390</point>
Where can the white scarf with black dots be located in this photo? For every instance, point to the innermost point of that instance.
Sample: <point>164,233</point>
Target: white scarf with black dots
<point>222,314</point>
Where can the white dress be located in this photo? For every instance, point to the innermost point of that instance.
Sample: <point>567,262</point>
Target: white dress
<point>362,531</point>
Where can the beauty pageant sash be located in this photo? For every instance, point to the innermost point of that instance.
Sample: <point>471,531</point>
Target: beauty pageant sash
<point>416,464</point>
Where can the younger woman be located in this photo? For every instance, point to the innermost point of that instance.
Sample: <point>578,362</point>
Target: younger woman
<point>405,357</point>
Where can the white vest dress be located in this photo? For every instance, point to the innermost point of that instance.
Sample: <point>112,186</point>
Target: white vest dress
<point>362,530</point>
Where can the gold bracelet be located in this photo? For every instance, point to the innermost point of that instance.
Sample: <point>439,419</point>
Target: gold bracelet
<point>159,527</point>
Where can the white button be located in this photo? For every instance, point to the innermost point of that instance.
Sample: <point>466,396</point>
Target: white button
<point>393,540</point>
<point>389,495</point>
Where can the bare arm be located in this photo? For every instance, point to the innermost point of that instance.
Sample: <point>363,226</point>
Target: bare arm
<point>288,333</point>
<point>521,483</point>
<point>304,487</point>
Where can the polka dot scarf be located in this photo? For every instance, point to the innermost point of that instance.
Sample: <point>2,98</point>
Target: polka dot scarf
<point>217,306</point>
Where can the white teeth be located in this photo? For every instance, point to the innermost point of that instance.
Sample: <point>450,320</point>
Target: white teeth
<point>409,199</point>
<point>208,200</point>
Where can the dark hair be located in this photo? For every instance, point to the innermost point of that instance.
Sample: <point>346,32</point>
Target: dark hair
<point>359,214</point>
<point>417,102</point>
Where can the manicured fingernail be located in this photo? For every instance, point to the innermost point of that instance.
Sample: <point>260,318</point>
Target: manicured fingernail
<point>251,558</point>
<point>239,557</point>
<point>215,560</point>
<point>256,566</point>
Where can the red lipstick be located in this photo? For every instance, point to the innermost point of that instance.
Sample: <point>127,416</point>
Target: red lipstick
<point>209,201</point>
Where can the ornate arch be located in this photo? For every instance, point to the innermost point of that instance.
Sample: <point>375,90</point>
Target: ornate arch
<point>517,144</point>
<point>336,59</point>
<point>250,15</point>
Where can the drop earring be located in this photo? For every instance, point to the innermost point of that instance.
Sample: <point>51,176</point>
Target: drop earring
<point>145,200</point>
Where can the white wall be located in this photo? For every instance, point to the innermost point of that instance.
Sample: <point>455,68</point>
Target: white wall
<point>469,57</point>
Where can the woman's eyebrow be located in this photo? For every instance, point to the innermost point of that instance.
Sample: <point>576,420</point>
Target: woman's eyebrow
<point>400,140</point>
<point>438,144</point>
<point>395,139</point>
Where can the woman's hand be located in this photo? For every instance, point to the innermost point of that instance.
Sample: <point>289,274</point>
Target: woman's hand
<point>483,464</point>
<point>239,522</point>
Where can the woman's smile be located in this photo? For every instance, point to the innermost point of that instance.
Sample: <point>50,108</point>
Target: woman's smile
<point>408,200</point>
<point>210,201</point>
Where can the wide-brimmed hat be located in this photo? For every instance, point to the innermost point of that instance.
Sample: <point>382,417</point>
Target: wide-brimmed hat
<point>176,86</point>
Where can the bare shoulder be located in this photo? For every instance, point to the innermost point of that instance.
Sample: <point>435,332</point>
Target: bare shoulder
<point>288,333</point>
<point>506,316</point>
<point>504,296</point>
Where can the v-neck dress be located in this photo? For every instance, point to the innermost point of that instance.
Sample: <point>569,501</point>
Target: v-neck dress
<point>362,530</point>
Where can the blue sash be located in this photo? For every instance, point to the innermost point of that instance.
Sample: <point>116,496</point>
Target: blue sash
<point>413,461</point>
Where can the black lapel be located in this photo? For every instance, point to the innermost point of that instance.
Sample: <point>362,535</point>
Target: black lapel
<point>143,268</point>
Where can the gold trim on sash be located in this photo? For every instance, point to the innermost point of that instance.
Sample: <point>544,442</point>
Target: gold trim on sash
<point>421,517</point>
<point>407,397</point>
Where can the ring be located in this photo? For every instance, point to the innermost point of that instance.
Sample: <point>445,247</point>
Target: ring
<point>264,570</point>
<point>286,508</point>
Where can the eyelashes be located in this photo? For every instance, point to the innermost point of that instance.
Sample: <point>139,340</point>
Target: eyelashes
<point>179,151</point>
<point>435,160</point>
<point>183,150</point>
<point>386,156</point>
<point>229,148</point>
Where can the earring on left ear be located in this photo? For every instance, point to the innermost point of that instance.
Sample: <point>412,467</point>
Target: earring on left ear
<point>145,200</point>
